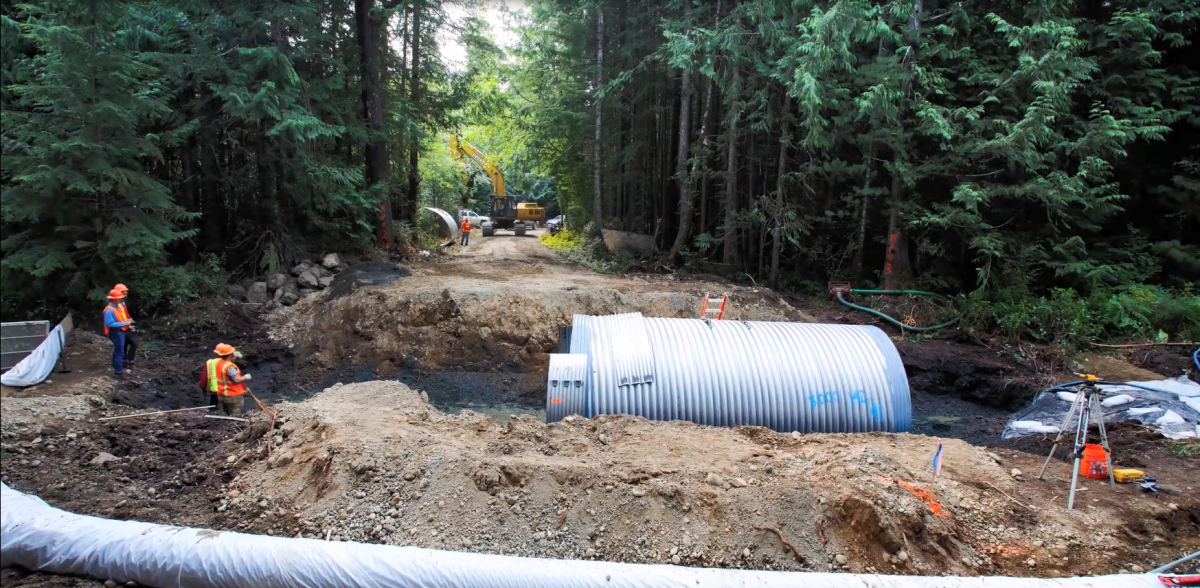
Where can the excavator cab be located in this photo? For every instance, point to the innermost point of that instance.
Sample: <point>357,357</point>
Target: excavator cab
<point>504,207</point>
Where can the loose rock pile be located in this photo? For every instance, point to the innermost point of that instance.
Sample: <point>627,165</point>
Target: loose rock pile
<point>281,289</point>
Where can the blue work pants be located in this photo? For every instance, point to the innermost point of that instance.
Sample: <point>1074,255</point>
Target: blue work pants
<point>117,336</point>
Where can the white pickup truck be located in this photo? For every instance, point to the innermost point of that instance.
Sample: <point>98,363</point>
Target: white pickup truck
<point>476,219</point>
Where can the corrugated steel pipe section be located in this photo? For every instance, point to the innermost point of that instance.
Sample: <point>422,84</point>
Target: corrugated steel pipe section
<point>785,376</point>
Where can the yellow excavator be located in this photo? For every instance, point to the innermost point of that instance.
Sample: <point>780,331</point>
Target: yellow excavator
<point>507,213</point>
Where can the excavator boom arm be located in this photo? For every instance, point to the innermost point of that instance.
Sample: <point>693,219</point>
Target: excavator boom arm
<point>460,148</point>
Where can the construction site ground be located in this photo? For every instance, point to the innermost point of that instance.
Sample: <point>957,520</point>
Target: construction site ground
<point>407,414</point>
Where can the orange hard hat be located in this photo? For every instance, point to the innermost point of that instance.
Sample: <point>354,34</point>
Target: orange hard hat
<point>224,349</point>
<point>121,288</point>
<point>115,294</point>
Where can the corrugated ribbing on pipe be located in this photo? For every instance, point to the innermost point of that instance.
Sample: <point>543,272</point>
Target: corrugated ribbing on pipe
<point>785,376</point>
<point>565,392</point>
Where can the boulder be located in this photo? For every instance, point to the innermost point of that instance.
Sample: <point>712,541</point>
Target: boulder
<point>257,294</point>
<point>321,272</point>
<point>326,281</point>
<point>300,268</point>
<point>331,261</point>
<point>235,292</point>
<point>309,279</point>
<point>276,281</point>
<point>104,458</point>
<point>290,294</point>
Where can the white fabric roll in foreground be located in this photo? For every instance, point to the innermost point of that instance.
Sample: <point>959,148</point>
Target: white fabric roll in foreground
<point>37,365</point>
<point>38,536</point>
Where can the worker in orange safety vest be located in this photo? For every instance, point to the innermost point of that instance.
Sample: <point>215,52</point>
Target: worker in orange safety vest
<point>116,324</point>
<point>466,230</point>
<point>130,334</point>
<point>224,381</point>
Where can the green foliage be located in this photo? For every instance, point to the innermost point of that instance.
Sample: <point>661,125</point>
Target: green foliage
<point>173,285</point>
<point>1042,155</point>
<point>1184,448</point>
<point>142,140</point>
<point>581,247</point>
<point>1065,318</point>
<point>78,200</point>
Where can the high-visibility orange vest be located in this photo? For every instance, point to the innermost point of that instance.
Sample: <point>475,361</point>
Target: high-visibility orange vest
<point>218,378</point>
<point>466,225</point>
<point>121,313</point>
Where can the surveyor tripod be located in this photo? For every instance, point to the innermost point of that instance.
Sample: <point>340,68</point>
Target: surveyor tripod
<point>1087,404</point>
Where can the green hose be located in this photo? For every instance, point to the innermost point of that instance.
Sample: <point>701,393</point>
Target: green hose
<point>907,292</point>
<point>903,327</point>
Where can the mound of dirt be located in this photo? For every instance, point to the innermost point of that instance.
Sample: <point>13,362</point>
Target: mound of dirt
<point>484,317</point>
<point>1164,362</point>
<point>374,462</point>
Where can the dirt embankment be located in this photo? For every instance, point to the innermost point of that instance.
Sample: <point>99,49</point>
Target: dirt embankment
<point>497,307</point>
<point>374,462</point>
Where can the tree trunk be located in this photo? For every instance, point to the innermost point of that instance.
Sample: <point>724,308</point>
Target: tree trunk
<point>682,175</point>
<point>369,46</point>
<point>748,250</point>
<point>702,158</point>
<point>597,148</point>
<point>731,254</point>
<point>414,93</point>
<point>397,195</point>
<point>187,159</point>
<point>781,199</point>
<point>897,270</point>
<point>212,206</point>
<point>864,205</point>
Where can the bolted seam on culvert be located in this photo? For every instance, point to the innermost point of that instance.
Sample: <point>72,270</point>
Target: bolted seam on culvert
<point>784,376</point>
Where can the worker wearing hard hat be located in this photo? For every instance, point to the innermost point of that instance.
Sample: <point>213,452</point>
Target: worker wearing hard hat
<point>465,228</point>
<point>116,325</point>
<point>130,337</point>
<point>224,381</point>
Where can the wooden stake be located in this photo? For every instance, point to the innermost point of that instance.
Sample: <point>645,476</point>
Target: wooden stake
<point>226,418</point>
<point>1144,345</point>
<point>142,414</point>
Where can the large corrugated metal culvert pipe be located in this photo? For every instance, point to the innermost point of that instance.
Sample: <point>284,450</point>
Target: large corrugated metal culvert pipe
<point>785,376</point>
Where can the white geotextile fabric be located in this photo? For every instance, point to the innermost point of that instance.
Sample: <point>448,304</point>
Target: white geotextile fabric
<point>1171,406</point>
<point>34,368</point>
<point>38,536</point>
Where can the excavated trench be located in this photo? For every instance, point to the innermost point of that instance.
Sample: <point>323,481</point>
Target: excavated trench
<point>958,390</point>
<point>478,336</point>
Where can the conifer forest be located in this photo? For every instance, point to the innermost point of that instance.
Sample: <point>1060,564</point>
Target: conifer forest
<point>1037,161</point>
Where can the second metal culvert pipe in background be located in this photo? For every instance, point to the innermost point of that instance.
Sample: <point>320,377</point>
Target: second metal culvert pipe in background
<point>784,376</point>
